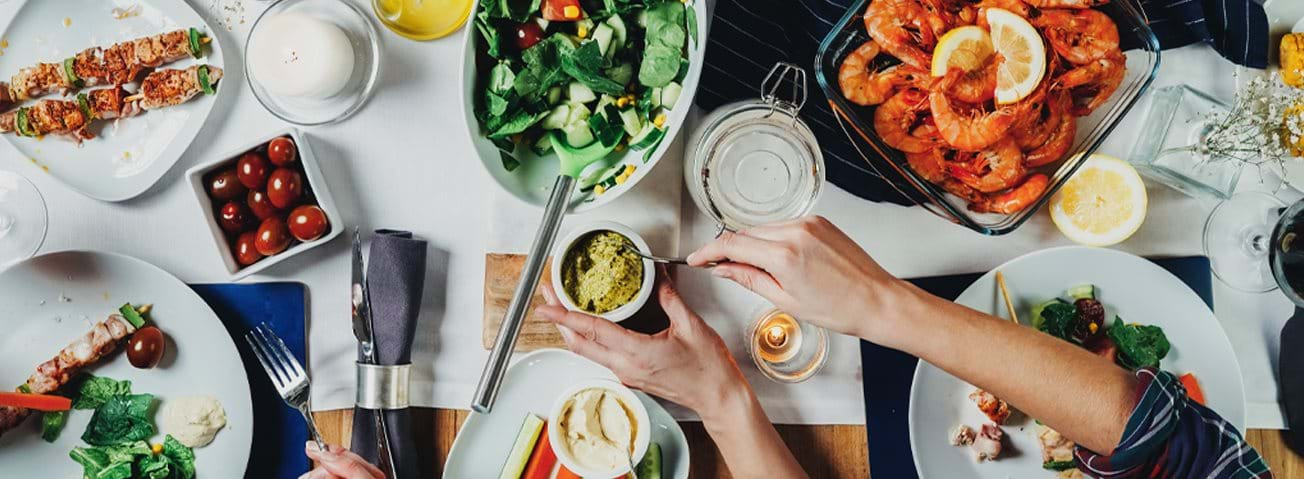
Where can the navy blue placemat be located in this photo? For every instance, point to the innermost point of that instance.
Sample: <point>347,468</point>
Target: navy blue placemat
<point>887,404</point>
<point>279,432</point>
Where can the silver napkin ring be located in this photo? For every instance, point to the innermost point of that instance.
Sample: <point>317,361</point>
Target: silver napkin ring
<point>383,387</point>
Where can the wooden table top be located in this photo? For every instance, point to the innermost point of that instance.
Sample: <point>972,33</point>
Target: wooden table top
<point>824,451</point>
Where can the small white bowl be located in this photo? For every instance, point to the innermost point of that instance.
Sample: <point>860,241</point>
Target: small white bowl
<point>313,181</point>
<point>641,437</point>
<point>574,236</point>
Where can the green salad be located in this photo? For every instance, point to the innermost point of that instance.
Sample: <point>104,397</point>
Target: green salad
<point>583,78</point>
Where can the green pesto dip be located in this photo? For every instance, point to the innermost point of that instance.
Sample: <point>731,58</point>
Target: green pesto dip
<point>599,274</point>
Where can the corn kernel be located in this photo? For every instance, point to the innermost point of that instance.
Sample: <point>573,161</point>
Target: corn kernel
<point>660,120</point>
<point>157,448</point>
<point>1093,327</point>
<point>599,189</point>
<point>620,180</point>
<point>622,102</point>
<point>1292,59</point>
<point>571,11</point>
<point>582,31</point>
<point>620,147</point>
<point>629,169</point>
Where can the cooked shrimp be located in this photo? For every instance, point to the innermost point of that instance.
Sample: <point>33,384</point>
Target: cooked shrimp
<point>895,119</point>
<point>1080,36</point>
<point>1034,127</point>
<point>932,166</point>
<point>979,85</point>
<point>966,131</point>
<point>994,169</point>
<point>905,29</point>
<point>863,86</point>
<point>1066,3</point>
<point>1091,85</point>
<point>1056,145</point>
<point>1015,200</point>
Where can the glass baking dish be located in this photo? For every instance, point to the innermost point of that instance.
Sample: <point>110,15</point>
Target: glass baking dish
<point>857,121</point>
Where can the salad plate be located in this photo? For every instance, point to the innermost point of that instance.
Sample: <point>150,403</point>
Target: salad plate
<point>48,301</point>
<point>528,175</point>
<point>1131,288</point>
<point>128,155</point>
<point>530,387</point>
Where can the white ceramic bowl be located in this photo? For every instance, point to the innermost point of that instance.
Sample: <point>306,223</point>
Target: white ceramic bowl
<point>564,245</point>
<point>312,178</point>
<point>641,437</point>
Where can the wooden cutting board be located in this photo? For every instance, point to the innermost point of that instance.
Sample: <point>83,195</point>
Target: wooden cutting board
<point>501,274</point>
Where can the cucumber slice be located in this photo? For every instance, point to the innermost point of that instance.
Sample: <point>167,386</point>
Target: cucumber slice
<point>579,93</point>
<point>1036,320</point>
<point>578,134</point>
<point>579,114</point>
<point>646,138</point>
<point>554,95</point>
<point>1086,291</point>
<point>622,73</point>
<point>521,450</point>
<point>631,120</point>
<point>669,95</point>
<point>650,466</point>
<point>542,146</point>
<point>603,35</point>
<point>557,118</point>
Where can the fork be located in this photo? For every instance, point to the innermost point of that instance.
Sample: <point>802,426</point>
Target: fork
<point>285,372</point>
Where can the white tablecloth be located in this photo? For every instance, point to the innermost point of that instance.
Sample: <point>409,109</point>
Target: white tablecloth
<point>405,162</point>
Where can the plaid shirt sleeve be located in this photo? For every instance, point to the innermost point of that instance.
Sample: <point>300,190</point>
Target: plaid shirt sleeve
<point>1171,436</point>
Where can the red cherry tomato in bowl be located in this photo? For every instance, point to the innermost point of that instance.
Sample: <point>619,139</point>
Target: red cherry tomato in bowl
<point>308,222</point>
<point>273,237</point>
<point>252,169</point>
<point>282,151</point>
<point>246,250</point>
<point>261,205</point>
<point>285,188</point>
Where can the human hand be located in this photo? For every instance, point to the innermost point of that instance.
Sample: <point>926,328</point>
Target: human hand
<point>808,268</point>
<point>338,463</point>
<point>687,363</point>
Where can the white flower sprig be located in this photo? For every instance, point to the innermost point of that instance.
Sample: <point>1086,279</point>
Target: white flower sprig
<point>1264,126</point>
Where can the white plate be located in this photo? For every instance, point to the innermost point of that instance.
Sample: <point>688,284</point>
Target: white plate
<point>1131,287</point>
<point>200,358</point>
<point>129,155</point>
<point>531,386</point>
<point>532,181</point>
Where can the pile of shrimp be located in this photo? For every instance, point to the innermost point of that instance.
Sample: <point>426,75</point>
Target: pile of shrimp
<point>950,128</point>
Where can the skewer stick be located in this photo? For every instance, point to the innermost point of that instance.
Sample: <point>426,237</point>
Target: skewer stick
<point>1005,292</point>
<point>134,98</point>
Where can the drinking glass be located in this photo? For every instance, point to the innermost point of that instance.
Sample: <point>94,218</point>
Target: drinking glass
<point>22,218</point>
<point>785,349</point>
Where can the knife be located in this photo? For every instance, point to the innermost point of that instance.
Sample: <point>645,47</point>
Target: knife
<point>364,331</point>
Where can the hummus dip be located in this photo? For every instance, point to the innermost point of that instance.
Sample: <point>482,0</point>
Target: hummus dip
<point>192,420</point>
<point>599,274</point>
<point>598,429</point>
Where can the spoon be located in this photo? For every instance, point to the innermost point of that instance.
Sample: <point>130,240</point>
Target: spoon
<point>658,259</point>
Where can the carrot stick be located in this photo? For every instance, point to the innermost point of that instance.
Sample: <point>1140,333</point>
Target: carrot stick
<point>542,459</point>
<point>39,402</point>
<point>564,473</point>
<point>1192,386</point>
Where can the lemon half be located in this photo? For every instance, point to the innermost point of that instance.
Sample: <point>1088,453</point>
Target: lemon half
<point>967,48</point>
<point>1023,52</point>
<point>1103,203</point>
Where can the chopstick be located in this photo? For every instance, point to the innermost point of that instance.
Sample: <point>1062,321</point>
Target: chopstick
<point>1005,292</point>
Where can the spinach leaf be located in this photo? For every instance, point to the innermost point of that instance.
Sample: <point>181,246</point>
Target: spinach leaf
<point>583,64</point>
<point>660,66</point>
<point>52,424</point>
<point>121,419</point>
<point>1139,346</point>
<point>96,390</point>
<point>182,457</point>
<point>690,22</point>
<point>514,10</point>
<point>516,123</point>
<point>1060,465</point>
<point>543,66</point>
<point>1059,320</point>
<point>493,40</point>
<point>92,459</point>
<point>155,467</point>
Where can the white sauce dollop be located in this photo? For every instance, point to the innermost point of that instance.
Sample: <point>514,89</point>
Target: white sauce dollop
<point>301,56</point>
<point>192,420</point>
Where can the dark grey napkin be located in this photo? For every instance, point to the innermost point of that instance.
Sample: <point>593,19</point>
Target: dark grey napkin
<point>1290,368</point>
<point>396,273</point>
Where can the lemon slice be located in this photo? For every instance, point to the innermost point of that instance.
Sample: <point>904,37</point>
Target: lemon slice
<point>1023,52</point>
<point>1103,203</point>
<point>965,48</point>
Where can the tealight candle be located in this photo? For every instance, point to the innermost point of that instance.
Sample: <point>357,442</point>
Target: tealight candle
<point>780,338</point>
<point>784,348</point>
<point>301,56</point>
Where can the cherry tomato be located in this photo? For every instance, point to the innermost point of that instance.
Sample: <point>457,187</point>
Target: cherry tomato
<point>528,34</point>
<point>562,10</point>
<point>261,205</point>
<point>282,151</point>
<point>225,185</point>
<point>246,253</point>
<point>252,169</point>
<point>145,348</point>
<point>273,237</point>
<point>308,222</point>
<point>285,188</point>
<point>234,217</point>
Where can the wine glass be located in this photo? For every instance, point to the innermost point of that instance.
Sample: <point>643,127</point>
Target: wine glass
<point>1251,241</point>
<point>23,218</point>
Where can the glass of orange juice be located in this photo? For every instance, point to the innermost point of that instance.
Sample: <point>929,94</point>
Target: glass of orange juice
<point>422,19</point>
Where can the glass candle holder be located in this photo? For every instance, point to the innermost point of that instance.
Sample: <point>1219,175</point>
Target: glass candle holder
<point>1169,148</point>
<point>785,349</point>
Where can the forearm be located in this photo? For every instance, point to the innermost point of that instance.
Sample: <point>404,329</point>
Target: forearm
<point>749,444</point>
<point>1079,394</point>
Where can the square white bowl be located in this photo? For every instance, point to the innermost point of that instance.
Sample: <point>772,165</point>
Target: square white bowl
<point>315,182</point>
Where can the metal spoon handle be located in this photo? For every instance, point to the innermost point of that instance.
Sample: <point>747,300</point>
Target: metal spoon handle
<point>492,377</point>
<point>662,259</point>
